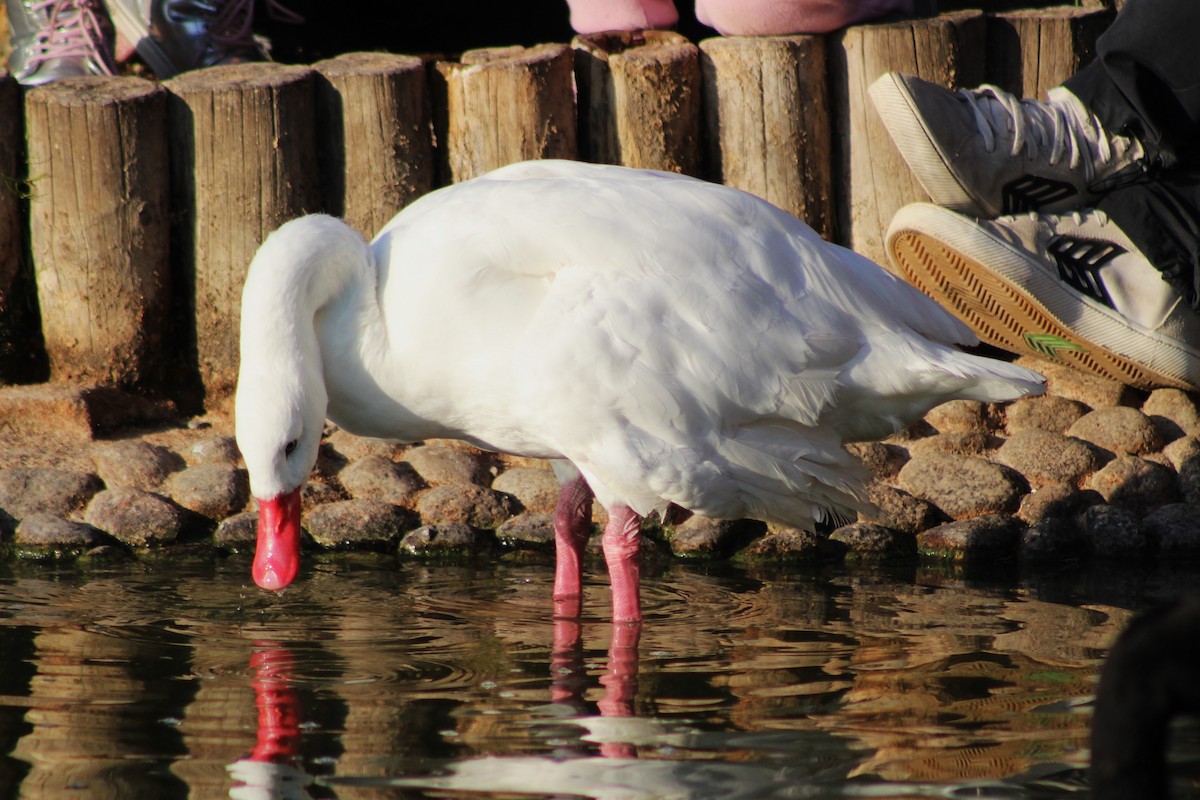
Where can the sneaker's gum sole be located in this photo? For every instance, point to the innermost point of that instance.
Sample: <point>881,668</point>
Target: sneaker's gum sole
<point>1002,314</point>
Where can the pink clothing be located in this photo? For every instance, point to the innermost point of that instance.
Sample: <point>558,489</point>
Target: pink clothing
<point>733,17</point>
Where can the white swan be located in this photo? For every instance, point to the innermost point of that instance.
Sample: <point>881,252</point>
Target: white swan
<point>667,339</point>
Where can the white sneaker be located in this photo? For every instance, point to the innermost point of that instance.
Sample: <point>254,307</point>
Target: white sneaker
<point>1071,288</point>
<point>985,152</point>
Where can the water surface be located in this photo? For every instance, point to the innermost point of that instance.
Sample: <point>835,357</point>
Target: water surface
<point>179,678</point>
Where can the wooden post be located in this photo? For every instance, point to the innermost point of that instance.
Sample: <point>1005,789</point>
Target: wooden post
<point>874,179</point>
<point>373,136</point>
<point>1032,50</point>
<point>243,162</point>
<point>502,105</point>
<point>766,114</point>
<point>639,100</point>
<point>22,355</point>
<point>99,228</point>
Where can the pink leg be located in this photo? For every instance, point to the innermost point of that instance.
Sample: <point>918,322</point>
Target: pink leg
<point>572,524</point>
<point>620,683</point>
<point>622,540</point>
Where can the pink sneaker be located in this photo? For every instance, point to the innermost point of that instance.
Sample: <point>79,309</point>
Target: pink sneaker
<point>783,17</point>
<point>594,16</point>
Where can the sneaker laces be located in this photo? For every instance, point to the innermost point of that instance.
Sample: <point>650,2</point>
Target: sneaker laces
<point>72,31</point>
<point>233,21</point>
<point>1038,126</point>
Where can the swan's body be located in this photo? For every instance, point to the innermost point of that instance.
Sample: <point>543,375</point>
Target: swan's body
<point>674,340</point>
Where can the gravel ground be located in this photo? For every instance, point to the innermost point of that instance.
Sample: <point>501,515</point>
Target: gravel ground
<point>1092,469</point>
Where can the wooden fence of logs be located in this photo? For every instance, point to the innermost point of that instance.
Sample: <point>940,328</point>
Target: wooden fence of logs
<point>129,210</point>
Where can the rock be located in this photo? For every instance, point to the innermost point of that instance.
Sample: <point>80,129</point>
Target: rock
<point>963,443</point>
<point>353,448</point>
<point>958,416</point>
<point>317,492</point>
<point>962,486</point>
<point>1115,532</point>
<point>1052,540</point>
<point>440,465</point>
<point>883,460</point>
<point>1174,412</point>
<point>1073,384</point>
<point>238,533</point>
<point>135,464</point>
<point>992,537</point>
<point>898,509</point>
<point>789,545</point>
<point>216,450</point>
<point>213,491</point>
<point>29,490</point>
<point>527,532</point>
<point>465,502</point>
<point>1184,455</point>
<point>1044,457</point>
<point>135,517</point>
<point>700,537</point>
<point>69,412</point>
<point>1056,501</point>
<point>357,525</point>
<point>1175,528</point>
<point>49,533</point>
<point>866,540</point>
<point>377,477</point>
<point>1045,412</point>
<point>1135,482</point>
<point>537,490</point>
<point>445,540</point>
<point>1118,429</point>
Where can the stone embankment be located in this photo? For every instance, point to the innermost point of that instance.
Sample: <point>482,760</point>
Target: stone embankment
<point>1090,470</point>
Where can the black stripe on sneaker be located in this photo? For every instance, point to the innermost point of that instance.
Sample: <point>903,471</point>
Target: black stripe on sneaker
<point>1079,263</point>
<point>1032,192</point>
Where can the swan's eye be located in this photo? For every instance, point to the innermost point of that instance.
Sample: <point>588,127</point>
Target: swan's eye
<point>290,447</point>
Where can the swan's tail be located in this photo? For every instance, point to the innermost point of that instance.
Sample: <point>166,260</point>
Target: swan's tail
<point>994,381</point>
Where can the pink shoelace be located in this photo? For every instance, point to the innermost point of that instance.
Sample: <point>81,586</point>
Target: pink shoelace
<point>74,31</point>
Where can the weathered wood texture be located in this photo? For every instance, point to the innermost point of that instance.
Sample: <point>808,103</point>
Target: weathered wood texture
<point>767,121</point>
<point>243,162</point>
<point>501,105</point>
<point>639,100</point>
<point>99,227</point>
<point>22,355</point>
<point>1033,50</point>
<point>373,136</point>
<point>873,178</point>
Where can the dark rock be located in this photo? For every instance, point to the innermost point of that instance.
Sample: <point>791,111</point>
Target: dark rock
<point>883,460</point>
<point>963,443</point>
<point>216,450</point>
<point>700,537</point>
<point>865,540</point>
<point>213,491</point>
<point>445,540</point>
<point>29,490</point>
<point>1115,532</point>
<point>318,492</point>
<point>1118,429</point>
<point>1175,527</point>
<point>440,465</point>
<point>527,532</point>
<point>1135,482</point>
<point>1044,457</point>
<point>958,416</point>
<point>134,517</point>
<point>1045,412</point>
<point>1174,412</point>
<point>357,525</point>
<point>1053,540</point>
<point>1056,501</point>
<point>238,533</point>
<point>537,490</point>
<point>962,486</point>
<point>51,533</point>
<point>465,502</point>
<point>136,464</point>
<point>994,537</point>
<point>69,412</point>
<point>377,477</point>
<point>896,508</point>
<point>789,545</point>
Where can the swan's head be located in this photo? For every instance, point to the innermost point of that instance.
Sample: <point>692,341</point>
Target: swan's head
<point>281,396</point>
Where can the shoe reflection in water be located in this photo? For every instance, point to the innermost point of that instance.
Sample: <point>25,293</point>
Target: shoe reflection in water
<point>273,769</point>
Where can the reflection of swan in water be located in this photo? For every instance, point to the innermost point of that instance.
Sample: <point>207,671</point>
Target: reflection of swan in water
<point>1152,674</point>
<point>273,772</point>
